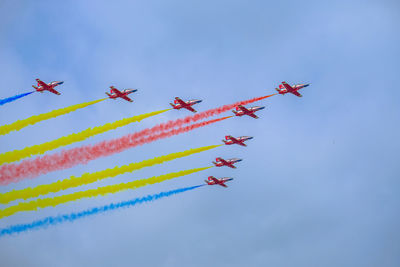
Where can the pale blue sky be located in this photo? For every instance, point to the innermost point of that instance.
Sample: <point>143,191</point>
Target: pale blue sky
<point>318,185</point>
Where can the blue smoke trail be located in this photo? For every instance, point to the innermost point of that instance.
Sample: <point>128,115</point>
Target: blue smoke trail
<point>53,220</point>
<point>13,98</point>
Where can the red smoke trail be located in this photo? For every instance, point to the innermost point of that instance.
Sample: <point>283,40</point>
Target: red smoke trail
<point>202,115</point>
<point>68,158</point>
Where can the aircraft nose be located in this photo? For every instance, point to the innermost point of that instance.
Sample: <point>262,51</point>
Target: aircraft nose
<point>60,82</point>
<point>307,84</point>
<point>199,101</point>
<point>261,108</point>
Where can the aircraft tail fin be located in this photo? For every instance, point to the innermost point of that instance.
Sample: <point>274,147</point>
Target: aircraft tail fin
<point>277,89</point>
<point>172,105</point>
<point>107,93</point>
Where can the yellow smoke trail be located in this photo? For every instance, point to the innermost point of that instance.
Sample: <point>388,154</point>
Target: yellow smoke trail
<point>47,202</point>
<point>18,125</point>
<point>88,178</point>
<point>16,155</point>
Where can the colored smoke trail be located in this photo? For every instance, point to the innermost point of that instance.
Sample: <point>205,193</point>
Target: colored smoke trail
<point>88,178</point>
<point>68,158</point>
<point>16,155</point>
<point>54,220</point>
<point>31,168</point>
<point>13,98</point>
<point>55,201</point>
<point>205,114</point>
<point>18,125</point>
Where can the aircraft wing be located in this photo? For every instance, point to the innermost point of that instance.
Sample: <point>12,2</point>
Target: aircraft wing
<point>215,180</point>
<point>228,137</point>
<point>41,83</point>
<point>115,91</point>
<point>287,86</point>
<point>223,161</point>
<point>222,184</point>
<point>233,139</point>
<point>189,108</point>
<point>53,91</point>
<point>180,101</point>
<point>296,93</point>
<point>126,98</point>
<point>244,109</point>
<point>240,142</point>
<point>253,115</point>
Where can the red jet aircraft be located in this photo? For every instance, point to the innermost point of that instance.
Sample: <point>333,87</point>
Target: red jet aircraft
<point>179,103</point>
<point>285,88</point>
<point>42,86</point>
<point>221,181</point>
<point>115,93</point>
<point>241,111</point>
<point>230,140</point>
<point>229,162</point>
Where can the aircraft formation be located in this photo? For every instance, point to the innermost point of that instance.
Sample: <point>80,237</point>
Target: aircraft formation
<point>12,171</point>
<point>239,111</point>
